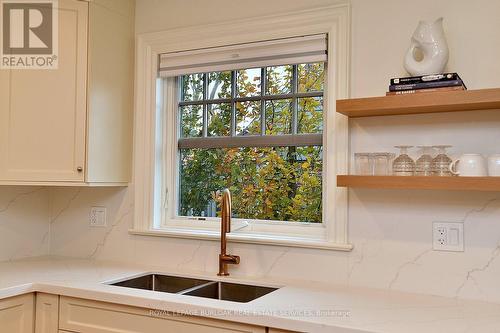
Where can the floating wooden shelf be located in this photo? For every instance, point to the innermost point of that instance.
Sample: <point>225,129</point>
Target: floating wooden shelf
<point>432,102</point>
<point>421,182</point>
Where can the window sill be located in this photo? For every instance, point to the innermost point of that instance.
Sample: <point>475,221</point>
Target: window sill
<point>248,238</point>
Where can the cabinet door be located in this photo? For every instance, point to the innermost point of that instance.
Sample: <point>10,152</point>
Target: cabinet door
<point>84,316</point>
<point>43,112</point>
<point>46,313</point>
<point>16,314</point>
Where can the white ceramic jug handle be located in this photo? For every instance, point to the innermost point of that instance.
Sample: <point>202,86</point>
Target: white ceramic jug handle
<point>453,168</point>
<point>410,61</point>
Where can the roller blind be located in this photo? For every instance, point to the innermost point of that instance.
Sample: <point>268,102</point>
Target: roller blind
<point>293,50</point>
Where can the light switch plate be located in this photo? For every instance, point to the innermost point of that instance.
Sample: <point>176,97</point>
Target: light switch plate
<point>97,217</point>
<point>448,236</point>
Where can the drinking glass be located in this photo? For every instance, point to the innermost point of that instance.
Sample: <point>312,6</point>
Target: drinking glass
<point>423,166</point>
<point>403,165</point>
<point>364,163</point>
<point>382,163</point>
<point>441,163</point>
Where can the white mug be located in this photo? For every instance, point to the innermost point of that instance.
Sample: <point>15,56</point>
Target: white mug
<point>469,165</point>
<point>494,165</point>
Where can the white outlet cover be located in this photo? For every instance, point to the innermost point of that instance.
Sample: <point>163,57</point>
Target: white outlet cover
<point>97,217</point>
<point>448,236</point>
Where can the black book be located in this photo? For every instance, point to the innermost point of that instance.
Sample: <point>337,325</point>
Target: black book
<point>426,85</point>
<point>425,79</point>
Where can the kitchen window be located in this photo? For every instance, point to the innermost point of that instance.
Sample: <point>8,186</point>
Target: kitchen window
<point>256,117</point>
<point>258,132</point>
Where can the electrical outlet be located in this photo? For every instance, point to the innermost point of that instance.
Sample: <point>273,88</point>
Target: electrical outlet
<point>448,236</point>
<point>97,217</point>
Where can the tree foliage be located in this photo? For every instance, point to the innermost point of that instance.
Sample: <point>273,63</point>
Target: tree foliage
<point>267,183</point>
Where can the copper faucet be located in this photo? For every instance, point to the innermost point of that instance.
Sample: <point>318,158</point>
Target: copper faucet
<point>224,258</point>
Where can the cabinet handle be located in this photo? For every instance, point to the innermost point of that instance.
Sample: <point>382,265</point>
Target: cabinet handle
<point>79,169</point>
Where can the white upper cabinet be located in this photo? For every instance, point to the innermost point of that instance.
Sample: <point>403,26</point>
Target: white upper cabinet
<point>44,127</point>
<point>72,125</point>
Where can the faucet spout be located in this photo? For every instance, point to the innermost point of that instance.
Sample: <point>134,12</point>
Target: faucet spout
<point>224,258</point>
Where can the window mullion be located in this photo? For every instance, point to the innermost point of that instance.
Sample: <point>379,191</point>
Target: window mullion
<point>294,99</point>
<point>254,98</point>
<point>233,103</point>
<point>205,105</point>
<point>263,83</point>
<point>284,140</point>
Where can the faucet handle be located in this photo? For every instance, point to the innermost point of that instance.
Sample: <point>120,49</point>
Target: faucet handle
<point>229,259</point>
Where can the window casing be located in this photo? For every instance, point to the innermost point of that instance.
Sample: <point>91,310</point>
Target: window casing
<point>152,197</point>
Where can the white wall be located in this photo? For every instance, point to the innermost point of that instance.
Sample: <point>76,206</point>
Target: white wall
<point>381,30</point>
<point>390,229</point>
<point>24,222</point>
<point>157,15</point>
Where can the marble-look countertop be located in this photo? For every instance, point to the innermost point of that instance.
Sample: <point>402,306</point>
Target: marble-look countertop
<point>298,306</point>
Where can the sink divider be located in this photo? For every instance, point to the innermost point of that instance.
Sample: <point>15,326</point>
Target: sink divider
<point>185,291</point>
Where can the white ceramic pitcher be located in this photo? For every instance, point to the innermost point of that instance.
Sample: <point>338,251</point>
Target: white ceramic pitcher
<point>429,39</point>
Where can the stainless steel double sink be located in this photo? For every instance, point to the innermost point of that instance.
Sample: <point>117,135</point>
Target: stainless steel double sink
<point>226,291</point>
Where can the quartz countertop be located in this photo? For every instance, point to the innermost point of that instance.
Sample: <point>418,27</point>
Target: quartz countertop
<point>298,305</point>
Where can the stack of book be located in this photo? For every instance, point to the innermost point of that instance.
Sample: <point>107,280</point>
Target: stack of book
<point>426,84</point>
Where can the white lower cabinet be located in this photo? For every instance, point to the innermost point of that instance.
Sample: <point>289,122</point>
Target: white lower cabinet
<point>17,314</point>
<point>46,313</point>
<point>84,316</point>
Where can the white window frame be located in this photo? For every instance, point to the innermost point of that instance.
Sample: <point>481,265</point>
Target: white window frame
<point>152,113</point>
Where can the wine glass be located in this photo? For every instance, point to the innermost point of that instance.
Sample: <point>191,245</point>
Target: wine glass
<point>441,163</point>
<point>423,166</point>
<point>403,165</point>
